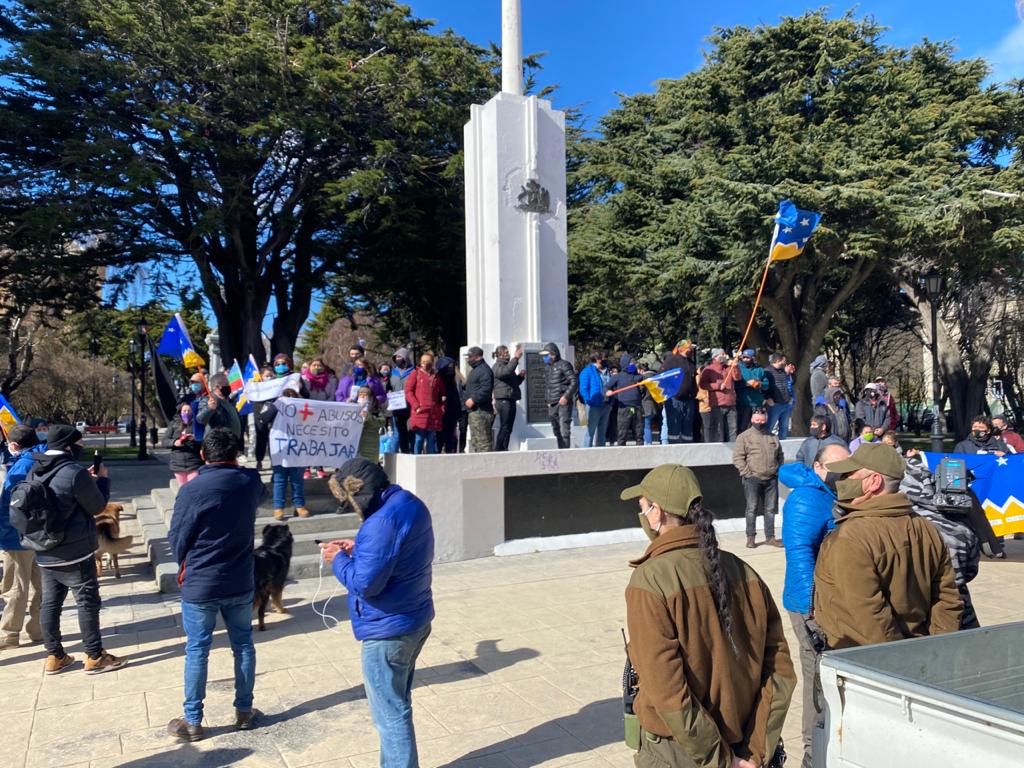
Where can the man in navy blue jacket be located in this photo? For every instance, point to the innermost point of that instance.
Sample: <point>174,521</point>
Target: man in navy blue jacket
<point>21,572</point>
<point>387,572</point>
<point>807,517</point>
<point>212,538</point>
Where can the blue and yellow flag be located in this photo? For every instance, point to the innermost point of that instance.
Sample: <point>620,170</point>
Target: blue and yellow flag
<point>8,417</point>
<point>793,230</point>
<point>998,484</point>
<point>175,342</point>
<point>664,385</point>
<point>251,373</point>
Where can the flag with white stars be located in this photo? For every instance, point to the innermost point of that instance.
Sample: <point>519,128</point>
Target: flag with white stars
<point>793,230</point>
<point>999,486</point>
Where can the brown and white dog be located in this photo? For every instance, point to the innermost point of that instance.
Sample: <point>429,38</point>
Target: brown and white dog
<point>112,544</point>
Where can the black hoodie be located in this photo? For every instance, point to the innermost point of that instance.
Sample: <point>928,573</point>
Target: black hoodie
<point>79,498</point>
<point>559,377</point>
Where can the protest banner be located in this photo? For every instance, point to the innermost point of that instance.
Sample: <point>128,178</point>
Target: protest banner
<point>312,433</point>
<point>396,401</point>
<point>262,391</point>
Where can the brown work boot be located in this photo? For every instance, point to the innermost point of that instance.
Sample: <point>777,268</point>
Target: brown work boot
<point>750,542</point>
<point>55,664</point>
<point>773,542</point>
<point>105,662</point>
<point>245,718</point>
<point>279,514</point>
<point>302,512</point>
<point>182,730</point>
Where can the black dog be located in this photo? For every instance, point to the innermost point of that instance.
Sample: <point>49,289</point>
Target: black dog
<point>273,558</point>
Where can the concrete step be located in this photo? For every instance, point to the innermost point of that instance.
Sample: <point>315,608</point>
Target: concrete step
<point>306,543</point>
<point>319,500</point>
<point>308,567</point>
<point>312,524</point>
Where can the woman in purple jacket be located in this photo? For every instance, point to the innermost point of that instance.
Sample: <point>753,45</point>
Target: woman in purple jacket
<point>363,375</point>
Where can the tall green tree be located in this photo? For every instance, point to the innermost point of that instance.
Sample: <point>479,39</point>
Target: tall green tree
<point>892,145</point>
<point>268,143</point>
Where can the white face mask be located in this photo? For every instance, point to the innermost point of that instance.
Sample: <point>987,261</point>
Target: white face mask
<point>363,401</point>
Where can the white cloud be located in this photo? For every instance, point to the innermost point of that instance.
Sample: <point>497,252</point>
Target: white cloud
<point>1007,58</point>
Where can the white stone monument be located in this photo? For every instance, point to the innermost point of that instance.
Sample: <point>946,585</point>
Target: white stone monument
<point>516,264</point>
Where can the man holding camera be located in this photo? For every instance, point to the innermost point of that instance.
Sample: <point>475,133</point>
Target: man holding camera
<point>884,574</point>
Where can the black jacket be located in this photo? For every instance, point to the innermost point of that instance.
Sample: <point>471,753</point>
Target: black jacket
<point>480,387</point>
<point>79,498</point>
<point>559,378</point>
<point>778,385</point>
<point>990,445</point>
<point>184,457</point>
<point>507,382</point>
<point>688,389</point>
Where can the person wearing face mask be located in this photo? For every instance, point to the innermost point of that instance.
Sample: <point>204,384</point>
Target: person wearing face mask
<point>681,409</point>
<point>1003,428</point>
<point>369,439</point>
<point>720,380</point>
<point>198,391</point>
<point>631,415</point>
<point>185,460</point>
<point>865,434</point>
<point>884,573</point>
<point>400,373</point>
<point>21,572</point>
<point>77,494</point>
<point>282,476</point>
<point>820,435</point>
<point>425,393</point>
<point>41,427</point>
<point>322,384</point>
<point>363,375</point>
<point>217,410</point>
<point>750,389</point>
<point>808,515</point>
<point>834,405</point>
<point>560,386</point>
<point>705,638</point>
<point>508,382</point>
<point>871,410</point>
<point>594,384</point>
<point>387,571</point>
<point>758,456</point>
<point>981,439</point>
<point>819,376</point>
<point>479,401</point>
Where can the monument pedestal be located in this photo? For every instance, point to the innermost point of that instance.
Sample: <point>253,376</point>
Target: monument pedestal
<point>516,262</point>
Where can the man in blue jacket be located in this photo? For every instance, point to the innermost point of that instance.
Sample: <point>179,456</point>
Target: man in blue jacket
<point>21,572</point>
<point>212,538</point>
<point>593,385</point>
<point>807,517</point>
<point>387,572</point>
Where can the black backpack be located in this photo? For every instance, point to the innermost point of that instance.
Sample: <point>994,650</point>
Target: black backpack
<point>35,515</point>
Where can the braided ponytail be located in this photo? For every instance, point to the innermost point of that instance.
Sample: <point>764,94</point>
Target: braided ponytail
<point>708,542</point>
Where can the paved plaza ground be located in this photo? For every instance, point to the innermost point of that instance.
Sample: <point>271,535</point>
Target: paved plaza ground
<point>523,669</point>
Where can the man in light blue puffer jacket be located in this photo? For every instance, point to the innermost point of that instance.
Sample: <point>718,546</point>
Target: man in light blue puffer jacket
<point>807,517</point>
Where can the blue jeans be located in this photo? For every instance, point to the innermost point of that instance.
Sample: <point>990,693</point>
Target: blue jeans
<point>388,669</point>
<point>681,414</point>
<point>779,414</point>
<point>648,435</point>
<point>199,620</point>
<point>281,476</point>
<point>427,439</point>
<point>597,425</point>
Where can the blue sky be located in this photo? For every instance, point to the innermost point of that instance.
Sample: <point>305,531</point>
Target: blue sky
<point>596,48</point>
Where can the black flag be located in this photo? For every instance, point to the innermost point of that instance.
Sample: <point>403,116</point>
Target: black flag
<point>166,395</point>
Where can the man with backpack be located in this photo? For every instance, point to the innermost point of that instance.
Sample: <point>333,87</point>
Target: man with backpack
<point>53,509</point>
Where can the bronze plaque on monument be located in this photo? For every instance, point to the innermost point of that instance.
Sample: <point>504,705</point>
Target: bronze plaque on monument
<point>536,403</point>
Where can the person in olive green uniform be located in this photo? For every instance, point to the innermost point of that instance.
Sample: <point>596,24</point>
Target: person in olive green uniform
<point>706,640</point>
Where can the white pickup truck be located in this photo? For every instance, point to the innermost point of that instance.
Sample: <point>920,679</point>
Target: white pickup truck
<point>950,701</point>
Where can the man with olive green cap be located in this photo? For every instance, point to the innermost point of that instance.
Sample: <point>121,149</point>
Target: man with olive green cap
<point>706,640</point>
<point>883,574</point>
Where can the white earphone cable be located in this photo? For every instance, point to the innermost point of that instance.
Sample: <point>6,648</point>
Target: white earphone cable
<point>322,613</point>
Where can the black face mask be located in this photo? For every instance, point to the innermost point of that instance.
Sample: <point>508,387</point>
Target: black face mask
<point>76,451</point>
<point>830,480</point>
<point>981,434</point>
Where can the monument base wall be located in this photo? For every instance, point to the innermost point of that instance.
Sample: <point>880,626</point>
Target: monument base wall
<point>484,504</point>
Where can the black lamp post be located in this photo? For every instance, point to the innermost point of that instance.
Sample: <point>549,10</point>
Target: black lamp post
<point>931,281</point>
<point>133,348</point>
<point>142,391</point>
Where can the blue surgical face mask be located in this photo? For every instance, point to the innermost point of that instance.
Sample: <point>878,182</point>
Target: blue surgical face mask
<point>546,359</point>
<point>630,369</point>
<point>281,368</point>
<point>196,387</point>
<point>42,436</point>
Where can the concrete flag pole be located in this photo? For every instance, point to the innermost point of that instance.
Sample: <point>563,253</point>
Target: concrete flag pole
<point>511,47</point>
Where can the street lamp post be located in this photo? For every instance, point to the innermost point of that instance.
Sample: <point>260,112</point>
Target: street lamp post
<point>142,392</point>
<point>133,347</point>
<point>932,282</point>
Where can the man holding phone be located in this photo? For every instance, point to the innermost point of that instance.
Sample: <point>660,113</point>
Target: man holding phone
<point>387,571</point>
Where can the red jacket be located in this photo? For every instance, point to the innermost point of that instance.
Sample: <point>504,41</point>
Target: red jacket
<point>1013,440</point>
<point>720,382</point>
<point>424,393</point>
